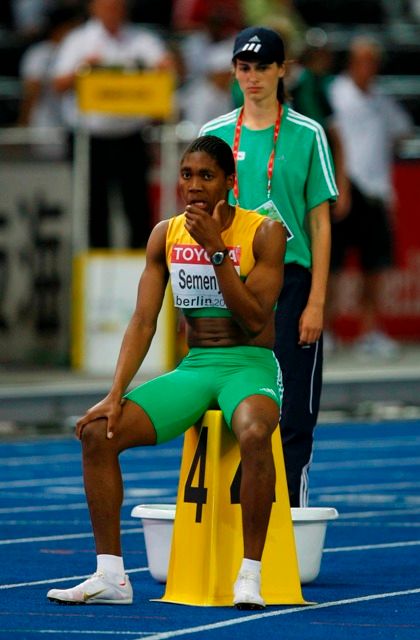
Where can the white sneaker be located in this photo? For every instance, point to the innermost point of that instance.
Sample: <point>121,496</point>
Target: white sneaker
<point>246,591</point>
<point>378,344</point>
<point>98,589</point>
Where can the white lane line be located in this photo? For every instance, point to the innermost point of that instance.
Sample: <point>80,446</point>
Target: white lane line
<point>369,547</point>
<point>70,507</point>
<point>17,461</point>
<point>368,443</point>
<point>377,486</point>
<point>390,443</point>
<point>67,579</point>
<point>47,482</point>
<point>383,512</point>
<point>127,502</point>
<point>271,614</point>
<point>322,445</point>
<point>83,632</point>
<point>48,507</point>
<point>361,500</point>
<point>130,493</point>
<point>70,536</point>
<point>174,473</point>
<point>374,463</point>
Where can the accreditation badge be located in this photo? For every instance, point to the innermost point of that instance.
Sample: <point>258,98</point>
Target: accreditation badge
<point>270,210</point>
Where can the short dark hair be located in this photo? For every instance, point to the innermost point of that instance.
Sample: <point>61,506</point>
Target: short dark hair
<point>215,147</point>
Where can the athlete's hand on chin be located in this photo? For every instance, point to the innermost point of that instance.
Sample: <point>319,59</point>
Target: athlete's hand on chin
<point>109,409</point>
<point>204,228</point>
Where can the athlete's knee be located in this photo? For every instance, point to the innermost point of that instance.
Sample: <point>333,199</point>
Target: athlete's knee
<point>94,436</point>
<point>255,438</point>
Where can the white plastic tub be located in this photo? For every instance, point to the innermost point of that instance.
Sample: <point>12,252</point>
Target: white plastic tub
<point>309,526</point>
<point>158,523</point>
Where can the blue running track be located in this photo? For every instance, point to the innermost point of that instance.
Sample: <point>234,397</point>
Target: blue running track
<point>368,587</point>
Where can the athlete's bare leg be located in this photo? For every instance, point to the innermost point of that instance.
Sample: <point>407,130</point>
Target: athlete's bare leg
<point>253,423</point>
<point>102,473</point>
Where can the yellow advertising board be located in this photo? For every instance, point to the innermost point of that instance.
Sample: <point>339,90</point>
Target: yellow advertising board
<point>103,299</point>
<point>126,93</point>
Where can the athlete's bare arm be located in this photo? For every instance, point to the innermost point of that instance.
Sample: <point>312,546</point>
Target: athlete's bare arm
<point>312,319</point>
<point>140,330</point>
<point>250,303</point>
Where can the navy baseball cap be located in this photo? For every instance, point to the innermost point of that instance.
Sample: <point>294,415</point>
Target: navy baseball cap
<point>259,43</point>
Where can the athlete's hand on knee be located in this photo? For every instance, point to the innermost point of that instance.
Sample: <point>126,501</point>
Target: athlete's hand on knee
<point>108,409</point>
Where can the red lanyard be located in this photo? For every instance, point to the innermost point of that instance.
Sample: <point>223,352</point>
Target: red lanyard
<point>270,165</point>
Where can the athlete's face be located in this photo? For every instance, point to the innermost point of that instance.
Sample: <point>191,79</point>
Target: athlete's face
<point>202,182</point>
<point>258,80</point>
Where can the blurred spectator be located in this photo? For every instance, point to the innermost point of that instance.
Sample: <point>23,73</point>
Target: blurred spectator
<point>370,125</point>
<point>220,17</point>
<point>309,86</point>
<point>309,93</point>
<point>281,16</point>
<point>41,105</point>
<point>30,16</point>
<point>118,153</point>
<point>203,99</point>
<point>205,24</point>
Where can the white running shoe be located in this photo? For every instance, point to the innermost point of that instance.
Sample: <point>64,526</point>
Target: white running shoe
<point>246,591</point>
<point>98,589</point>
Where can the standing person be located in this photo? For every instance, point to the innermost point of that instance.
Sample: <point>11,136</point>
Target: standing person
<point>41,105</point>
<point>309,94</point>
<point>370,125</point>
<point>117,151</point>
<point>228,297</point>
<point>284,171</point>
<point>202,99</point>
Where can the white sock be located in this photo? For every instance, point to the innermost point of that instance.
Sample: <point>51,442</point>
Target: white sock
<point>110,564</point>
<point>251,566</point>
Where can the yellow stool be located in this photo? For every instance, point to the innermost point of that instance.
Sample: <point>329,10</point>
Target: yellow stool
<point>207,542</point>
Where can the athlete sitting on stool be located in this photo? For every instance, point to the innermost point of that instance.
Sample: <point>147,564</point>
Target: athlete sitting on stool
<point>226,270</point>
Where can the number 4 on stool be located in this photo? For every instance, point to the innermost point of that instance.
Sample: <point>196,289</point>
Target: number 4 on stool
<point>207,546</point>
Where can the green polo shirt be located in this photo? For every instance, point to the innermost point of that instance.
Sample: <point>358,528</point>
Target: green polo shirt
<point>303,172</point>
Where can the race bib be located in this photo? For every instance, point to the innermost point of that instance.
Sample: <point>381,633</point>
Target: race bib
<point>270,210</point>
<point>193,280</point>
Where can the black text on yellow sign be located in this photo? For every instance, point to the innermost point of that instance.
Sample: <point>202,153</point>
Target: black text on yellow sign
<point>140,93</point>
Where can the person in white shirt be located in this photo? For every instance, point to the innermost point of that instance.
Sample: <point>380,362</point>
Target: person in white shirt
<point>370,125</point>
<point>41,105</point>
<point>117,151</point>
<point>205,98</point>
